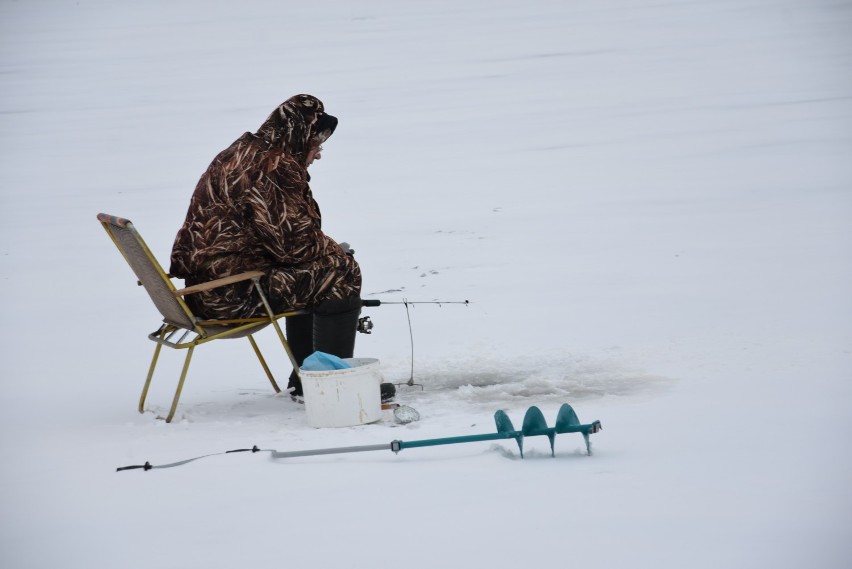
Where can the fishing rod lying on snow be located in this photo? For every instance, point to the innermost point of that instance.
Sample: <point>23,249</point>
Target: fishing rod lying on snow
<point>534,425</point>
<point>365,325</point>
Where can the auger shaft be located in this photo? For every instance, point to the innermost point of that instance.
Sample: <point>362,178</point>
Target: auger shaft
<point>401,445</point>
<point>321,451</point>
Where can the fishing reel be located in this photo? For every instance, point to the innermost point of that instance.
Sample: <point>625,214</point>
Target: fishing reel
<point>365,325</point>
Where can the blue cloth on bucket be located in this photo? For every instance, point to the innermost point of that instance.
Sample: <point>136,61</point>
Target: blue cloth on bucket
<point>321,361</point>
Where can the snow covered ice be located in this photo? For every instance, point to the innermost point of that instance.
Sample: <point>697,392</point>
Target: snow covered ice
<point>647,204</point>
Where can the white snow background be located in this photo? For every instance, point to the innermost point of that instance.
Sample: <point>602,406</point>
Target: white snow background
<point>647,204</point>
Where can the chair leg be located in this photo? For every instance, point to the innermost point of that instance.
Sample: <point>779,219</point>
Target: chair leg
<point>180,384</point>
<point>275,324</point>
<point>285,344</point>
<point>148,379</point>
<point>263,363</point>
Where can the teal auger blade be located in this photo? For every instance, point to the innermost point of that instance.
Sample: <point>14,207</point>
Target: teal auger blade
<point>568,422</point>
<point>535,425</point>
<point>504,426</point>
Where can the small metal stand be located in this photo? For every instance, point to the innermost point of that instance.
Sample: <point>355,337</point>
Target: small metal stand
<point>365,325</point>
<point>410,382</point>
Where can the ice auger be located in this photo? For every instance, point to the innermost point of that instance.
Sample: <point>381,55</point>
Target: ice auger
<point>534,425</point>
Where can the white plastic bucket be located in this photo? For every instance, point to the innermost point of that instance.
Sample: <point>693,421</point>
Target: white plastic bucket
<point>343,397</point>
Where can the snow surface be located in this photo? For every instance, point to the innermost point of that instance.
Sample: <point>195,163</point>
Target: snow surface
<point>646,202</point>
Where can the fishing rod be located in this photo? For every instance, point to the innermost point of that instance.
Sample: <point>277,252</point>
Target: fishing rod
<point>365,325</point>
<point>375,302</point>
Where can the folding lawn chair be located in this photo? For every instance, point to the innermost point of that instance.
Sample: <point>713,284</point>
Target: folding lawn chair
<point>178,319</point>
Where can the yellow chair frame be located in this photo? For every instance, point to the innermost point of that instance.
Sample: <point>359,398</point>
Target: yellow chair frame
<point>178,318</point>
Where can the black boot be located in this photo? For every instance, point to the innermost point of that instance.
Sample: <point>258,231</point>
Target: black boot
<point>335,326</point>
<point>300,336</point>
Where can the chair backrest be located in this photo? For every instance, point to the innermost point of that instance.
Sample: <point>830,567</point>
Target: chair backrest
<point>149,272</point>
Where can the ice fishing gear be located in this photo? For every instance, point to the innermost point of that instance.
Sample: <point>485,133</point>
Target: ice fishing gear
<point>402,413</point>
<point>534,425</point>
<point>374,302</point>
<point>365,325</point>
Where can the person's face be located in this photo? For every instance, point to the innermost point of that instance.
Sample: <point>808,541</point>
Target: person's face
<point>314,154</point>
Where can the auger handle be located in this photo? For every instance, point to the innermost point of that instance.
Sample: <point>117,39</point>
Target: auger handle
<point>146,466</point>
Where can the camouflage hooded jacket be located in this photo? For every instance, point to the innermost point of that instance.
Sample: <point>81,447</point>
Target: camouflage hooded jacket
<point>253,210</point>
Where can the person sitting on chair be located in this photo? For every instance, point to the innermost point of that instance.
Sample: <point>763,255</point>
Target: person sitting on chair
<point>253,210</point>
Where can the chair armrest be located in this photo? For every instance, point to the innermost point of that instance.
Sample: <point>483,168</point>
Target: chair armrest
<point>218,282</point>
